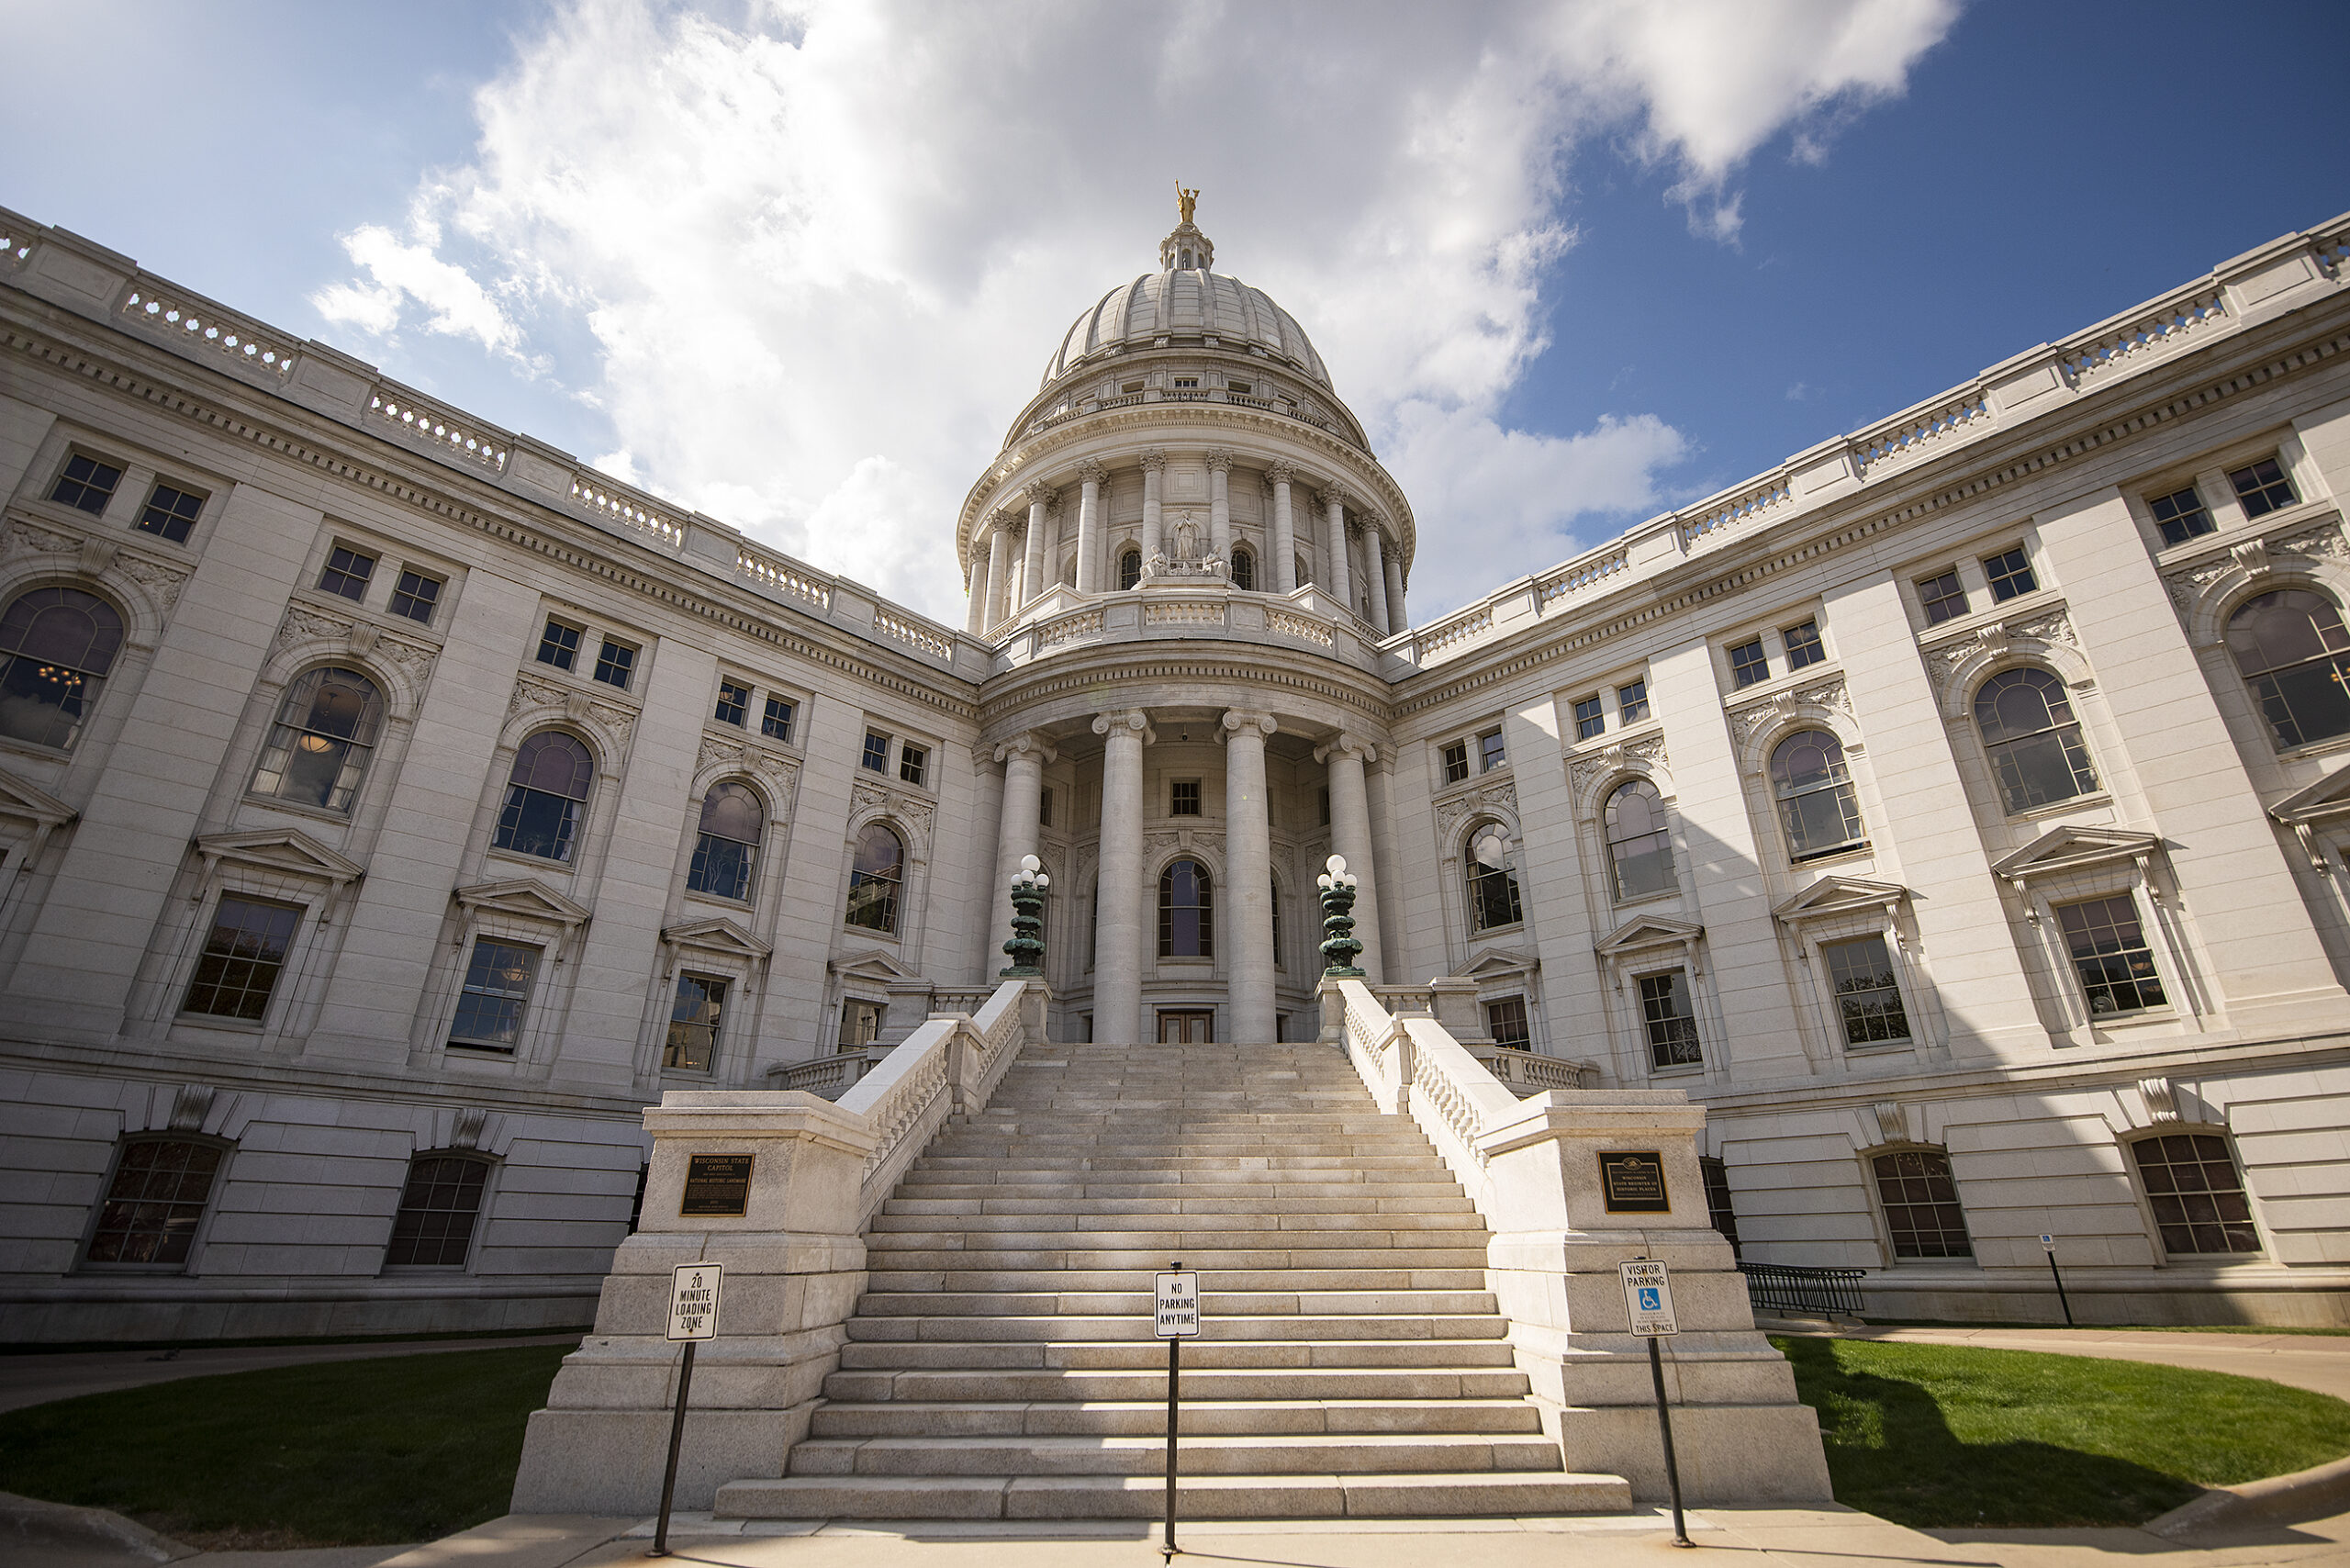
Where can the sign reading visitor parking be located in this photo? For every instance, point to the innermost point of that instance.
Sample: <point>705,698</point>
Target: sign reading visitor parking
<point>693,1301</point>
<point>1648,1295</point>
<point>1178,1305</point>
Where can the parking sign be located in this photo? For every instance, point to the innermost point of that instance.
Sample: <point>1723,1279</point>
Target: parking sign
<point>693,1301</point>
<point>1648,1298</point>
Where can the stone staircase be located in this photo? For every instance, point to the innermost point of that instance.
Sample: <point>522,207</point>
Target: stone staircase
<point>1002,1363</point>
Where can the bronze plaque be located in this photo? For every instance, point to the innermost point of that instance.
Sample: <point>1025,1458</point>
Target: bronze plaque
<point>717,1184</point>
<point>1633,1183</point>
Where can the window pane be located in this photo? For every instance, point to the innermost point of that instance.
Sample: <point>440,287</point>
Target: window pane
<point>1632,702</point>
<point>1748,664</point>
<point>170,512</point>
<point>1591,718</point>
<point>318,748</point>
<point>1942,597</point>
<point>734,703</point>
<point>615,663</point>
<point>346,574</point>
<point>242,958</point>
<point>497,988</point>
<point>2110,951</point>
<point>1506,1022</point>
<point>1868,1000</point>
<point>694,1019</point>
<point>1490,748</point>
<point>86,484</point>
<point>1456,761</point>
<point>877,752</point>
<point>1186,919</point>
<point>2262,487</point>
<point>559,645</point>
<point>155,1202</point>
<point>2010,574</point>
<point>1671,1021</point>
<point>416,596</point>
<point>56,646</point>
<point>1920,1199</point>
<point>873,880</point>
<point>2180,515</point>
<point>777,721</point>
<point>1804,646</point>
<point>434,1228</point>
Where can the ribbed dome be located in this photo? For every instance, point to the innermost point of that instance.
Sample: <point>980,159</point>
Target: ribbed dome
<point>1186,303</point>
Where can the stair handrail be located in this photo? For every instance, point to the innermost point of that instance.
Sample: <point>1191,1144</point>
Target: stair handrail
<point>1413,1067</point>
<point>952,1062</point>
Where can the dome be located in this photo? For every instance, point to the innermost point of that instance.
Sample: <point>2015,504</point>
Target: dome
<point>1186,302</point>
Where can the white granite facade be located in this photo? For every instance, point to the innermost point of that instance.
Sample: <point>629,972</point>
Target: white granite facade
<point>2009,535</point>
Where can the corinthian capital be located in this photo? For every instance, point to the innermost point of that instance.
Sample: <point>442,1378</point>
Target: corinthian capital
<point>1153,461</point>
<point>1281,473</point>
<point>1219,463</point>
<point>1091,473</point>
<point>1333,496</point>
<point>1040,495</point>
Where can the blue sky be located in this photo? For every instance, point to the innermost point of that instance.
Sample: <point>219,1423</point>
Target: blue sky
<point>800,266</point>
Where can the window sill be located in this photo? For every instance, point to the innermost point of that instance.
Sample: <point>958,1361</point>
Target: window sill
<point>475,1048</point>
<point>869,933</point>
<point>743,734</point>
<point>1882,1048</point>
<point>1514,928</point>
<point>715,902</point>
<point>536,862</point>
<point>318,813</point>
<point>1640,898</point>
<point>1824,857</point>
<point>2330,746</point>
<point>224,1026</point>
<point>2099,800</point>
<point>1638,730</point>
<point>1208,963</point>
<point>35,749</point>
<point>1680,1069</point>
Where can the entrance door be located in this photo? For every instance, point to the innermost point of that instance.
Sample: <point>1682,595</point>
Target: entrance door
<point>1177,1028</point>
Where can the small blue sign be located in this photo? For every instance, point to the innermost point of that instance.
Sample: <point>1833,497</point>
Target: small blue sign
<point>1648,1299</point>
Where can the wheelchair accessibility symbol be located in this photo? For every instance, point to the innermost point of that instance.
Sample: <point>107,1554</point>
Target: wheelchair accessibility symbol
<point>1649,1301</point>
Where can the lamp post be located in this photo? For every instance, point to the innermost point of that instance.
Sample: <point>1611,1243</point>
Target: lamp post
<point>1026,947</point>
<point>1338,944</point>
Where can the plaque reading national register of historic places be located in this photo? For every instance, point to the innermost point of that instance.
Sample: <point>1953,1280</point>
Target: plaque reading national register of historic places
<point>1633,1183</point>
<point>717,1184</point>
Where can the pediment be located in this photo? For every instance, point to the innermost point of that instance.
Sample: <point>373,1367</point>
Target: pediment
<point>1500,961</point>
<point>2326,798</point>
<point>21,800</point>
<point>878,968</point>
<point>1840,895</point>
<point>720,935</point>
<point>525,897</point>
<point>1649,931</point>
<point>287,850</point>
<point>2074,848</point>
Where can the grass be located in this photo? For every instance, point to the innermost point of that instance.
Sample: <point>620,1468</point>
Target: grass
<point>1952,1436</point>
<point>60,1346</point>
<point>344,1453</point>
<point>2115,1327</point>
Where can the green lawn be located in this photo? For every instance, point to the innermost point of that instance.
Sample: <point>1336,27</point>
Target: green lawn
<point>346,1453</point>
<point>1945,1436</point>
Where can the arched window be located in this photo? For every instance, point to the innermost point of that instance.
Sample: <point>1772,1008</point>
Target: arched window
<point>1638,844</point>
<point>1919,1196</point>
<point>1186,919</point>
<point>155,1202</point>
<point>2292,651</point>
<point>325,733</point>
<point>1244,571</point>
<point>1129,568</point>
<point>732,820</point>
<point>435,1227</point>
<point>545,795</point>
<point>1492,886</point>
<point>56,646</point>
<point>1817,805</point>
<point>1305,573</point>
<point>2033,740</point>
<point>2197,1194</point>
<point>874,878</point>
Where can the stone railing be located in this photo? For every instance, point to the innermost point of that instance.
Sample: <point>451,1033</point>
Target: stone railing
<point>616,503</point>
<point>1745,507</point>
<point>2174,323</point>
<point>1406,999</point>
<point>923,637</point>
<point>1907,439</point>
<point>1584,572</point>
<point>1068,629</point>
<point>951,1063</point>
<point>156,307</point>
<point>1183,613</point>
<point>1444,633</point>
<point>782,575</point>
<point>1525,1073</point>
<point>437,426</point>
<point>830,1077</point>
<point>1304,628</point>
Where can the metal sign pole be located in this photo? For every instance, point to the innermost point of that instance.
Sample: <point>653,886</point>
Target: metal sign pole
<point>1174,1372</point>
<point>677,1442</point>
<point>2063,1301</point>
<point>1175,1319</point>
<point>693,1318</point>
<point>1648,1305</point>
<point>1664,1425</point>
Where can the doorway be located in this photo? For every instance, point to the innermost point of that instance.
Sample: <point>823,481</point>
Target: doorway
<point>1185,1027</point>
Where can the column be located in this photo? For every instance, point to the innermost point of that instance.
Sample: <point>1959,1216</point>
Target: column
<point>1052,551</point>
<point>1032,566</point>
<point>1249,876</point>
<point>1024,757</point>
<point>1154,466</point>
<point>1375,567</point>
<point>1398,619</point>
<point>1350,836</point>
<point>1341,583</point>
<point>1088,528</point>
<point>999,568</point>
<point>1220,508</point>
<point>976,622</point>
<point>1117,943</point>
<point>1283,575</point>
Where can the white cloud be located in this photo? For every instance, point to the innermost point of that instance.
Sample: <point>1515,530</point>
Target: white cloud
<point>825,248</point>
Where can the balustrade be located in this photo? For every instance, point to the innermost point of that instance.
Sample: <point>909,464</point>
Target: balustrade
<point>614,504</point>
<point>152,303</point>
<point>436,425</point>
<point>2085,362</point>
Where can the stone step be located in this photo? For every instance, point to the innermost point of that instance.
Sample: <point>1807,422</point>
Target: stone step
<point>1363,1202</point>
<point>890,1251</point>
<point>1118,1188</point>
<point>1066,1328</point>
<point>1334,1181</point>
<point>1274,1162</point>
<point>1507,1493</point>
<point>1160,1238</point>
<point>1357,1454</point>
<point>1130,1355</point>
<point>1138,1304</point>
<point>1160,1228</point>
<point>1147,1418</point>
<point>964,1276</point>
<point>1216,1383</point>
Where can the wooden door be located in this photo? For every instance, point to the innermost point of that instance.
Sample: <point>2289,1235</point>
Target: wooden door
<point>1183,1028</point>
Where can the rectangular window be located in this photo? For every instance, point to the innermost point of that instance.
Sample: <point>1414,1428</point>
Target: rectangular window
<point>1183,798</point>
<point>2109,948</point>
<point>86,484</point>
<point>1748,664</point>
<point>777,721</point>
<point>417,597</point>
<point>1717,1204</point>
<point>559,644</point>
<point>2180,516</point>
<point>1456,761</point>
<point>1804,646</point>
<point>1043,808</point>
<point>1591,718</point>
<point>155,1202</point>
<point>1490,753</point>
<point>242,958</point>
<point>1506,1022</point>
<point>1322,797</point>
<point>1920,1200</point>
<point>615,663</point>
<point>1868,1000</point>
<point>1633,702</point>
<point>2009,572</point>
<point>877,752</point>
<point>860,1024</point>
<point>1186,382</point>
<point>2263,487</point>
<point>1672,1022</point>
<point>171,512</point>
<point>434,1228</point>
<point>2196,1193</point>
<point>694,1018</point>
<point>346,574</point>
<point>913,763</point>
<point>497,990</point>
<point>734,702</point>
<point>1942,597</point>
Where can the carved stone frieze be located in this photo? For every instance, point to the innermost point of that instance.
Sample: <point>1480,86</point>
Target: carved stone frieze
<point>721,751</point>
<point>1747,722</point>
<point>912,810</point>
<point>161,581</point>
<point>1646,752</point>
<point>533,691</point>
<point>1501,797</point>
<point>2324,540</point>
<point>32,536</point>
<point>302,625</point>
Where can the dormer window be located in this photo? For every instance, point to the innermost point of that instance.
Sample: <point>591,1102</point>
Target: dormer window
<point>1186,383</point>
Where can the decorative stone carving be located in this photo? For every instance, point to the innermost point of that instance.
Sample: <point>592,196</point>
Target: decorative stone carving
<point>97,554</point>
<point>530,692</point>
<point>32,536</point>
<point>1219,462</point>
<point>2326,539</point>
<point>163,582</point>
<point>362,639</point>
<point>1153,461</point>
<point>191,1106</point>
<point>1281,473</point>
<point>1502,797</point>
<point>1091,473</point>
<point>2188,586</point>
<point>912,811</point>
<point>466,1131</point>
<point>1646,752</point>
<point>2252,555</point>
<point>1892,1122</point>
<point>2162,1099</point>
<point>302,625</point>
<point>2056,626</point>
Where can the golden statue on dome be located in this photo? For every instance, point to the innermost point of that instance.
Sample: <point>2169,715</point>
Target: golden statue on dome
<point>1186,200</point>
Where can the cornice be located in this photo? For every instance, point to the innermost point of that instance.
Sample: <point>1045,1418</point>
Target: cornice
<point>1005,697</point>
<point>358,457</point>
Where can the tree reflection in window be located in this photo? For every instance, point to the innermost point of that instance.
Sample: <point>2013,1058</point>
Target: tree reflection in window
<point>727,847</point>
<point>1493,885</point>
<point>874,878</point>
<point>2293,653</point>
<point>2032,738</point>
<point>1638,844</point>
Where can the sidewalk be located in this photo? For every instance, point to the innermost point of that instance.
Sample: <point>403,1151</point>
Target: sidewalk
<point>2320,1363</point>
<point>37,1377</point>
